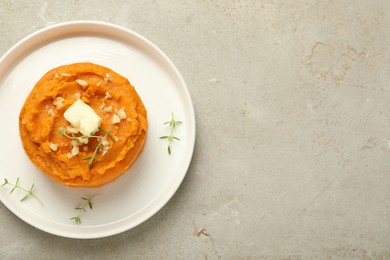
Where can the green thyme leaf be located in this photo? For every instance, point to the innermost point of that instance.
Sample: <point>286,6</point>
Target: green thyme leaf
<point>82,209</point>
<point>172,123</point>
<point>29,192</point>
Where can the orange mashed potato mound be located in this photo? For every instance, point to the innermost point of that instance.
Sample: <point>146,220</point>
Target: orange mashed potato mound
<point>51,142</point>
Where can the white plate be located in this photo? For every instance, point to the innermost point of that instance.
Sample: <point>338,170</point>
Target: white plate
<point>153,179</point>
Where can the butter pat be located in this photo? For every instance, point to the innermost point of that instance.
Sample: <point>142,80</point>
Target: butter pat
<point>83,117</point>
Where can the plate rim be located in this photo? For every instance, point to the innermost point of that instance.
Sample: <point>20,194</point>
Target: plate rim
<point>115,229</point>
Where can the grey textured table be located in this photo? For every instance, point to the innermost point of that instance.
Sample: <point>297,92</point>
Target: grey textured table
<point>292,101</point>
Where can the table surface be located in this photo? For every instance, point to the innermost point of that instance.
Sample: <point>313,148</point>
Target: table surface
<point>292,156</point>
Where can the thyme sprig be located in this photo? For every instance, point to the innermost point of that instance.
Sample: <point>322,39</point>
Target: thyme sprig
<point>93,157</point>
<point>107,133</point>
<point>63,132</point>
<point>172,123</point>
<point>83,209</point>
<point>29,192</point>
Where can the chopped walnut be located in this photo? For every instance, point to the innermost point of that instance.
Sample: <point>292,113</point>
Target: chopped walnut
<point>82,83</point>
<point>105,142</point>
<point>121,113</point>
<point>83,140</point>
<point>105,109</point>
<point>58,102</point>
<point>50,112</point>
<point>102,106</point>
<point>105,150</point>
<point>53,146</point>
<point>115,119</point>
<point>75,150</point>
<point>108,78</point>
<point>74,143</point>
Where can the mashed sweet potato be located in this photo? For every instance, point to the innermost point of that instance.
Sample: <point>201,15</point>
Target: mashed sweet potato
<point>61,152</point>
